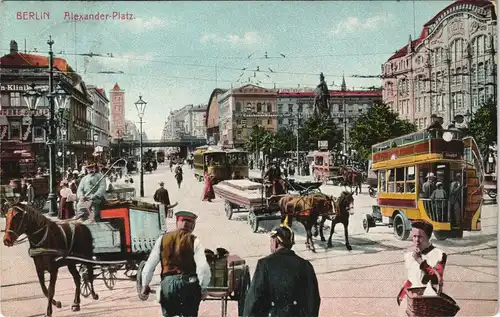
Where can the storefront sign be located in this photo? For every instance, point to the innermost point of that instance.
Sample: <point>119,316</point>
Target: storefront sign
<point>22,87</point>
<point>11,112</point>
<point>296,90</point>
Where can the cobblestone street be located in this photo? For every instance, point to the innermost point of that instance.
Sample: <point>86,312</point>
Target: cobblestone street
<point>363,282</point>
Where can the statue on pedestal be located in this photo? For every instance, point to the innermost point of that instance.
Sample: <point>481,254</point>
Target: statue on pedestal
<point>322,98</point>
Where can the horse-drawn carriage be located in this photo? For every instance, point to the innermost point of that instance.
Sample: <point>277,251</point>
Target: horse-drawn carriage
<point>256,198</point>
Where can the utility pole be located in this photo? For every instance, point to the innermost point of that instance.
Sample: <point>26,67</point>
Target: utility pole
<point>52,135</point>
<point>343,89</point>
<point>298,166</point>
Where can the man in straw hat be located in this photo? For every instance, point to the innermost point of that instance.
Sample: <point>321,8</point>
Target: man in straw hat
<point>185,273</point>
<point>284,284</point>
<point>425,263</point>
<point>92,188</point>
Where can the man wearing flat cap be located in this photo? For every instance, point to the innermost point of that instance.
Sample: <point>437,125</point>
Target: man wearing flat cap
<point>185,273</point>
<point>92,188</point>
<point>284,284</point>
<point>425,263</point>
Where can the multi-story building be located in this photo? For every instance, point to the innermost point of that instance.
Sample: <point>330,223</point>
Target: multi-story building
<point>194,121</point>
<point>212,116</point>
<point>242,108</point>
<point>23,139</point>
<point>450,70</point>
<point>174,126</point>
<point>298,104</point>
<point>99,116</point>
<point>117,125</point>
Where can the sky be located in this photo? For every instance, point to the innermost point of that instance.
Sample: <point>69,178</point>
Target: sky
<point>176,53</point>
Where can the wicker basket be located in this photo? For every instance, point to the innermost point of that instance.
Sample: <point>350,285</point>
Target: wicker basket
<point>429,306</point>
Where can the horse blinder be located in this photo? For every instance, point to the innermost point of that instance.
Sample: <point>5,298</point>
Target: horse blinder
<point>9,230</point>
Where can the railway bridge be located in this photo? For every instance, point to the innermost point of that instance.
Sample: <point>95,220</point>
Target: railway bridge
<point>184,144</point>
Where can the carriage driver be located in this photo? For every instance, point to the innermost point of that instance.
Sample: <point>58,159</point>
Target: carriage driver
<point>88,190</point>
<point>185,273</point>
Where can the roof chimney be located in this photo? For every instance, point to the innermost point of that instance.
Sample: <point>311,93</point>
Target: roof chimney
<point>13,47</point>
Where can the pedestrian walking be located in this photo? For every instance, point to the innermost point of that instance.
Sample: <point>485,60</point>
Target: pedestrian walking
<point>30,192</point>
<point>284,284</point>
<point>161,195</point>
<point>425,263</point>
<point>208,190</point>
<point>178,175</point>
<point>185,273</point>
<point>66,202</point>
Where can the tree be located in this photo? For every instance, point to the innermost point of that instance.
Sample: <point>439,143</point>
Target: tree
<point>285,138</point>
<point>258,139</point>
<point>483,126</point>
<point>316,129</point>
<point>380,123</point>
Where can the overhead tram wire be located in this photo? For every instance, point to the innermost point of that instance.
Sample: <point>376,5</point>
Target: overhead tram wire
<point>196,65</point>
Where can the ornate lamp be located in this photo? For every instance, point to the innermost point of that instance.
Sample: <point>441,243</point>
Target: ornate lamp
<point>140,105</point>
<point>32,98</point>
<point>61,97</point>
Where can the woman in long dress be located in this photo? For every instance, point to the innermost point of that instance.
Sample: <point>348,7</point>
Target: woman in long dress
<point>208,190</point>
<point>66,204</point>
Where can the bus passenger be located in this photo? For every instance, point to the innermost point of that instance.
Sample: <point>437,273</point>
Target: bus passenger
<point>428,186</point>
<point>455,197</point>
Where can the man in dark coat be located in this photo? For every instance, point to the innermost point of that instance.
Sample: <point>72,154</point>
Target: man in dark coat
<point>284,284</point>
<point>435,125</point>
<point>161,195</point>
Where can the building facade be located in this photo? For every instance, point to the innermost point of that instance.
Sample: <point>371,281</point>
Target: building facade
<point>99,116</point>
<point>117,124</point>
<point>242,108</point>
<point>194,121</point>
<point>22,132</point>
<point>450,70</point>
<point>212,116</point>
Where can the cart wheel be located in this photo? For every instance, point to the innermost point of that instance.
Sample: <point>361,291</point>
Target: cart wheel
<point>400,228</point>
<point>252,221</point>
<point>85,284</point>
<point>366,227</point>
<point>138,283</point>
<point>244,286</point>
<point>109,277</point>
<point>229,209</point>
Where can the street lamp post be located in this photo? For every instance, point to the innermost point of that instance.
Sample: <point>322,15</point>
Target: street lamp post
<point>32,98</point>
<point>140,105</point>
<point>95,139</point>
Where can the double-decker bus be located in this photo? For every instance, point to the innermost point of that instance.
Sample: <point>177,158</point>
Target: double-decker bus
<point>436,176</point>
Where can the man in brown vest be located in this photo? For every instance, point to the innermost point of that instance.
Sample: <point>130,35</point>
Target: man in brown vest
<point>185,273</point>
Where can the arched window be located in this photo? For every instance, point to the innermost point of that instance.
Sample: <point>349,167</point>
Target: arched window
<point>259,107</point>
<point>237,107</point>
<point>269,107</point>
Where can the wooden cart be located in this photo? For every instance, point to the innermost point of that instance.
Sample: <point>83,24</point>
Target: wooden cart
<point>242,195</point>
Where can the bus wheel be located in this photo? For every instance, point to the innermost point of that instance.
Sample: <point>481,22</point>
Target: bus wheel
<point>457,233</point>
<point>401,229</point>
<point>442,235</point>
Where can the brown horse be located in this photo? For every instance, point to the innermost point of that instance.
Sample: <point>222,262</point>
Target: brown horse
<point>342,206</point>
<point>352,178</point>
<point>306,209</point>
<point>49,241</point>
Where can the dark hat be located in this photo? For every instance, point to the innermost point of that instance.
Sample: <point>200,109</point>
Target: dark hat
<point>285,235</point>
<point>434,116</point>
<point>186,215</point>
<point>161,183</point>
<point>424,225</point>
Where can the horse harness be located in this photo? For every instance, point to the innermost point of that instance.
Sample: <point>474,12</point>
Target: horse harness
<point>39,251</point>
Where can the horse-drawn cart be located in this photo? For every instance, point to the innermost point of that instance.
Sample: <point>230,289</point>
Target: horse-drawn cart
<point>123,239</point>
<point>242,195</point>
